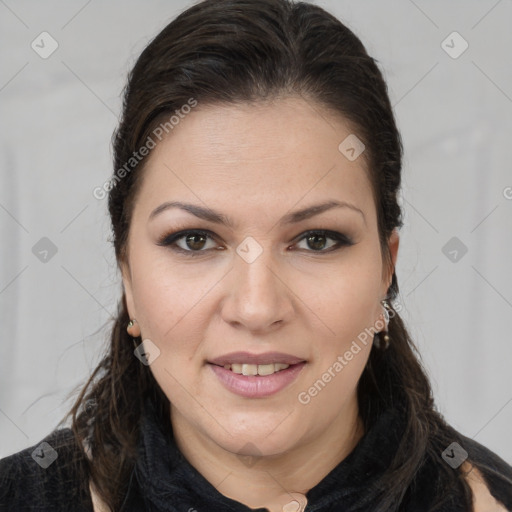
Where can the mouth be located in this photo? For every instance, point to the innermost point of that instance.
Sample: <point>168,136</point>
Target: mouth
<point>256,376</point>
<point>235,360</point>
<point>256,369</point>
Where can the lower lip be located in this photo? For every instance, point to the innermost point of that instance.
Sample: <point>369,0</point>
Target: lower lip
<point>257,386</point>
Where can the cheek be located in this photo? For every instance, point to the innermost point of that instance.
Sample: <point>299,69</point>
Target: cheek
<point>169,305</point>
<point>333,384</point>
<point>345,299</point>
<point>166,295</point>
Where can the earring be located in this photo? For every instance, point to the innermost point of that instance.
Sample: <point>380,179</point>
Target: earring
<point>382,338</point>
<point>130,326</point>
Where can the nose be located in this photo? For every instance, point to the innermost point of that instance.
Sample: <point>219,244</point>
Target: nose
<point>257,294</point>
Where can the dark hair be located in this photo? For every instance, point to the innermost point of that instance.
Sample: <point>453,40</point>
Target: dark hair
<point>233,51</point>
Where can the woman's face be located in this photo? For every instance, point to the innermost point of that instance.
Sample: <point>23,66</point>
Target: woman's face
<point>252,280</point>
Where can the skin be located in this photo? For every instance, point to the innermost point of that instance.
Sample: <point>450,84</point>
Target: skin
<point>256,163</point>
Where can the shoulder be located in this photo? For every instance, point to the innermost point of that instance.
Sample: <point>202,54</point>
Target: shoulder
<point>489,477</point>
<point>483,500</point>
<point>45,474</point>
<point>97,504</point>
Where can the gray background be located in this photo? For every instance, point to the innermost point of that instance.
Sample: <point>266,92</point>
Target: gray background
<point>57,116</point>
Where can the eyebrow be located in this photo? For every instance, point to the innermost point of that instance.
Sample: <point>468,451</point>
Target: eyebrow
<point>218,218</point>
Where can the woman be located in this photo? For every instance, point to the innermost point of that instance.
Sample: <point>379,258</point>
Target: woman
<point>258,360</point>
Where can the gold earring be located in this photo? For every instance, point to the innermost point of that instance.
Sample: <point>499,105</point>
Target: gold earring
<point>382,338</point>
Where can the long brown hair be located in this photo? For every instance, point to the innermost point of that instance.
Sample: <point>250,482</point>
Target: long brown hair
<point>229,51</point>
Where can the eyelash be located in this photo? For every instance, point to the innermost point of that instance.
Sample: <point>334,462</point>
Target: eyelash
<point>169,240</point>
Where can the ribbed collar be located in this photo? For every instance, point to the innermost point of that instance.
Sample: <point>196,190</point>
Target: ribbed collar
<point>169,483</point>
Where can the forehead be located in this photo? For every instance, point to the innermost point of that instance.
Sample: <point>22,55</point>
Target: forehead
<point>272,154</point>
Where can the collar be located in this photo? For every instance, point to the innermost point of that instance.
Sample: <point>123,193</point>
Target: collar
<point>167,482</point>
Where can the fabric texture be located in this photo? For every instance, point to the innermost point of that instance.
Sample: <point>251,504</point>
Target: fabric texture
<point>164,481</point>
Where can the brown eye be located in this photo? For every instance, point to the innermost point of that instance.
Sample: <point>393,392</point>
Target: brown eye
<point>195,241</point>
<point>190,242</point>
<point>318,241</point>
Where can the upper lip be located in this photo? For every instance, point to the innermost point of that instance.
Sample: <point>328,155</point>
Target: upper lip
<point>247,357</point>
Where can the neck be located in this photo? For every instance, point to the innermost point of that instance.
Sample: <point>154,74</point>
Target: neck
<point>273,481</point>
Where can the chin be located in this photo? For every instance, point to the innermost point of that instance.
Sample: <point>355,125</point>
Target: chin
<point>253,439</point>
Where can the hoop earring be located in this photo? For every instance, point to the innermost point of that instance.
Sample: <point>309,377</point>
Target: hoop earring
<point>382,338</point>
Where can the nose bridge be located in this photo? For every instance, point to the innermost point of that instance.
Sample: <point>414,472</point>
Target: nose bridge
<point>258,297</point>
<point>255,269</point>
<point>259,276</point>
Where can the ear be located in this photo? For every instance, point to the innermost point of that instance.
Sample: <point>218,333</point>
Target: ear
<point>128,290</point>
<point>393,243</point>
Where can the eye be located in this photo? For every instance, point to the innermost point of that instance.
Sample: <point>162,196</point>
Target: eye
<point>317,240</point>
<point>194,242</point>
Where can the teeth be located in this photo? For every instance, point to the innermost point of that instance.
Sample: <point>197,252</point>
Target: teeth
<point>265,369</point>
<point>256,369</point>
<point>249,369</point>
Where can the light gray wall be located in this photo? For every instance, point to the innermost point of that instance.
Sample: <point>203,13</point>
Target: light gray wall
<point>57,116</point>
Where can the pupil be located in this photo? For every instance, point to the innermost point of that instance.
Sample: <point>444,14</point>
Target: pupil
<point>313,241</point>
<point>192,241</point>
